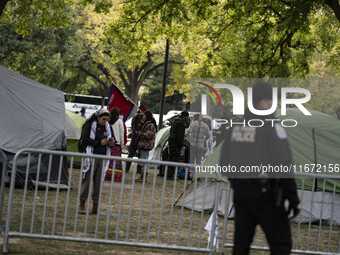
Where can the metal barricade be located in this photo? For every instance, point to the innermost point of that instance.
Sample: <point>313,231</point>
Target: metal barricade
<point>130,213</point>
<point>147,214</point>
<point>317,228</point>
<point>2,187</point>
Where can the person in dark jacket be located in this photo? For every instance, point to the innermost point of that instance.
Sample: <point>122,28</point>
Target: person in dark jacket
<point>259,196</point>
<point>135,129</point>
<point>176,138</point>
<point>97,137</point>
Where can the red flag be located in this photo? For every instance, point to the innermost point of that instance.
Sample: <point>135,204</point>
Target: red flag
<point>118,99</point>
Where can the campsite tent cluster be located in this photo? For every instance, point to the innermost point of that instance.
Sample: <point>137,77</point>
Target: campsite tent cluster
<point>33,115</point>
<point>315,140</point>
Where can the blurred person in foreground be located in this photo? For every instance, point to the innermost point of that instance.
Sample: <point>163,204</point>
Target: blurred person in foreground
<point>259,198</point>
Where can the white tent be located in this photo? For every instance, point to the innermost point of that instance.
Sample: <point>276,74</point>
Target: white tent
<point>204,197</point>
<point>32,114</point>
<point>314,205</point>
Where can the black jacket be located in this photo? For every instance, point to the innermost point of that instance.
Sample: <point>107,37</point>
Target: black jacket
<point>177,132</point>
<point>135,123</point>
<point>96,143</point>
<point>260,146</point>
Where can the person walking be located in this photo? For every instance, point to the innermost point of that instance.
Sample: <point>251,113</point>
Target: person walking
<point>259,197</point>
<point>83,112</point>
<point>146,141</point>
<point>97,136</point>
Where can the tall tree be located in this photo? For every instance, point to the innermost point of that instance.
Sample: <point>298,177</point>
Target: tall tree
<point>42,55</point>
<point>100,56</point>
<point>25,15</point>
<point>80,55</point>
<point>228,38</point>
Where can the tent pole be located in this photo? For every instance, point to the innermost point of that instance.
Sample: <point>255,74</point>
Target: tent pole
<point>315,158</point>
<point>191,181</point>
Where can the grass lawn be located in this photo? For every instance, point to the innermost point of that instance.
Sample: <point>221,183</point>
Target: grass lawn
<point>144,218</point>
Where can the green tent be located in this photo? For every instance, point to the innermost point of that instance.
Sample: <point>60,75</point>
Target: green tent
<point>74,124</point>
<point>315,140</point>
<point>162,136</point>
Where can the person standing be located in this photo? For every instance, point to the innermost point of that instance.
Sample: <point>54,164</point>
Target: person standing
<point>116,151</point>
<point>83,112</point>
<point>97,137</point>
<point>121,116</point>
<point>259,197</point>
<point>199,132</point>
<point>135,128</point>
<point>176,138</point>
<point>146,141</point>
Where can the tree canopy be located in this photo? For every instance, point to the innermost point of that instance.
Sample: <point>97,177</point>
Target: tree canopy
<point>89,43</point>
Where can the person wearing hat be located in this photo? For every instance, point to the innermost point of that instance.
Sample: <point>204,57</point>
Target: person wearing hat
<point>97,136</point>
<point>176,138</point>
<point>259,197</point>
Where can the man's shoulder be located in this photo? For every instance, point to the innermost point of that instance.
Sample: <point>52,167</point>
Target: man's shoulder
<point>276,130</point>
<point>177,122</point>
<point>206,125</point>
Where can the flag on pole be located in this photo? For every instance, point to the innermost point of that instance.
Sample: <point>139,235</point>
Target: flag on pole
<point>120,100</point>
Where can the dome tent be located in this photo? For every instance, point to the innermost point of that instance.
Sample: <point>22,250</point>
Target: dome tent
<point>33,116</point>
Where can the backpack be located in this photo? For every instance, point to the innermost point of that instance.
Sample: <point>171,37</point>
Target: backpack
<point>81,145</point>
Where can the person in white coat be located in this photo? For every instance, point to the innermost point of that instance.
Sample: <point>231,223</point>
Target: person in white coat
<point>118,132</point>
<point>117,125</point>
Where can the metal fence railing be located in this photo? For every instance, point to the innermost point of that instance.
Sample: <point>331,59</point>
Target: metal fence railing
<point>130,213</point>
<point>317,228</point>
<point>152,213</point>
<point>2,185</point>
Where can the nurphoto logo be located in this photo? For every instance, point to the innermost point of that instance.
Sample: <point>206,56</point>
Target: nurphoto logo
<point>238,104</point>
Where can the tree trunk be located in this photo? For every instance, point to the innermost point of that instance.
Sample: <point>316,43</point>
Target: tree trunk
<point>132,92</point>
<point>334,4</point>
<point>2,6</point>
